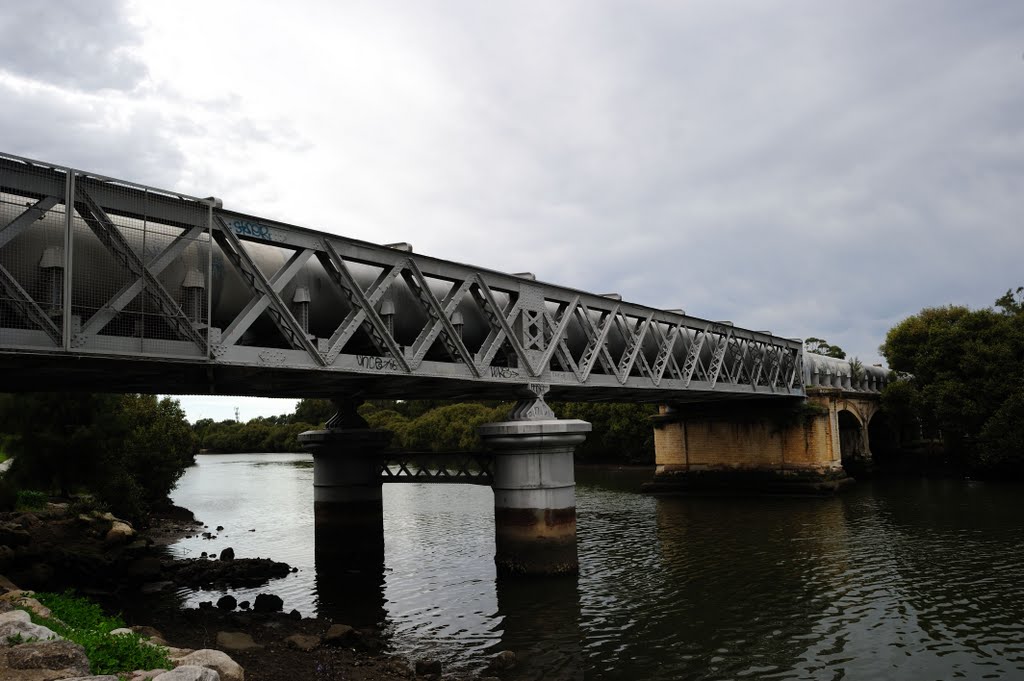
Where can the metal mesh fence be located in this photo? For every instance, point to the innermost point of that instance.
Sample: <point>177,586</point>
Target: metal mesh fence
<point>140,263</point>
<point>32,233</point>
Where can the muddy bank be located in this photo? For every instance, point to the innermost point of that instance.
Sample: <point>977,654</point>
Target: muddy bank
<point>100,556</point>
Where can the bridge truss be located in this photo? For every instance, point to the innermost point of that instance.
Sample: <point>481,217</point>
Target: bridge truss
<point>111,285</point>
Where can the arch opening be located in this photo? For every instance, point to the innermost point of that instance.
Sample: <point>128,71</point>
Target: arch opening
<point>852,446</point>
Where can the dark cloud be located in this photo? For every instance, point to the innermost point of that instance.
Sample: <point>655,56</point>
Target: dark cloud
<point>77,45</point>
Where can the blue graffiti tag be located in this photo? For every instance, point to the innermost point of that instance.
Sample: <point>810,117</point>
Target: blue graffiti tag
<point>253,229</point>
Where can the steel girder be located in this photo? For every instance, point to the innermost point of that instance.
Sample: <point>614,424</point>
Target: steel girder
<point>382,318</point>
<point>456,467</point>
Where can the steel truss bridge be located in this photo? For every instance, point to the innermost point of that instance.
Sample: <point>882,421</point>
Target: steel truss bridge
<point>107,285</point>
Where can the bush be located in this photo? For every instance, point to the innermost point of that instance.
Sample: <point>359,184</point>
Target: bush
<point>31,500</point>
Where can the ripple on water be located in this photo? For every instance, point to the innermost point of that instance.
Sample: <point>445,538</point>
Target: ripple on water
<point>898,580</point>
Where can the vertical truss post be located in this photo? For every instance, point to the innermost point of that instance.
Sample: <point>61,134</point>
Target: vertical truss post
<point>69,245</point>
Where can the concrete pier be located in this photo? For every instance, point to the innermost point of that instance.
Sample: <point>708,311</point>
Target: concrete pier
<point>347,495</point>
<point>534,489</point>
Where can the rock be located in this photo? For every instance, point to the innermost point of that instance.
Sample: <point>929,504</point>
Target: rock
<point>398,667</point>
<point>428,666</point>
<point>24,599</point>
<point>6,556</point>
<point>244,605</point>
<point>241,572</point>
<point>206,605</point>
<point>29,520</point>
<point>177,654</point>
<point>189,673</point>
<point>105,677</point>
<point>304,642</point>
<point>235,641</point>
<point>228,669</point>
<point>340,634</point>
<point>146,631</point>
<point>40,574</point>
<point>123,631</point>
<point>295,615</point>
<point>14,535</point>
<point>227,554</point>
<point>18,623</point>
<point>147,674</point>
<point>220,528</point>
<point>146,569</point>
<point>65,656</point>
<point>502,662</point>
<point>268,603</point>
<point>119,533</point>
<point>227,602</point>
<point>155,587</point>
<point>6,585</point>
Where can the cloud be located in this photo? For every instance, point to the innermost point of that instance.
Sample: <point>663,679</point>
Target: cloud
<point>77,45</point>
<point>814,169</point>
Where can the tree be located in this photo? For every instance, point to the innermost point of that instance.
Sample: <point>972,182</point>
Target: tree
<point>128,450</point>
<point>315,411</point>
<point>820,346</point>
<point>967,370</point>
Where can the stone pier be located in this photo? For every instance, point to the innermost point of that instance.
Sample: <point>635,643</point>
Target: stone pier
<point>534,489</point>
<point>752,446</point>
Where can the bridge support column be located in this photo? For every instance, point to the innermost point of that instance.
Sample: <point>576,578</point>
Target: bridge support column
<point>534,489</point>
<point>746,447</point>
<point>347,496</point>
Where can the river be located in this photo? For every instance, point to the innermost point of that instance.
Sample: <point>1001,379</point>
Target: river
<point>908,579</point>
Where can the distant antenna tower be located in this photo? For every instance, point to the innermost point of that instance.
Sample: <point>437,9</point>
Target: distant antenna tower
<point>236,415</point>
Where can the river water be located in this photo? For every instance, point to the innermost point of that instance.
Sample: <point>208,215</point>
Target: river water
<point>906,580</point>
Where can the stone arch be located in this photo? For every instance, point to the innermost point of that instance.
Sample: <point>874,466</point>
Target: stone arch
<point>853,444</point>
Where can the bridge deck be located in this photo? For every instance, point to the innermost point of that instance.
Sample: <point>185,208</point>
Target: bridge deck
<point>170,293</point>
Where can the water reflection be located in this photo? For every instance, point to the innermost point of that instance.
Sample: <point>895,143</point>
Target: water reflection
<point>349,560</point>
<point>897,580</point>
<point>540,621</point>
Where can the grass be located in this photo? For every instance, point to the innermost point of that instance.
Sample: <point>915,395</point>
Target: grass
<point>31,500</point>
<point>83,622</point>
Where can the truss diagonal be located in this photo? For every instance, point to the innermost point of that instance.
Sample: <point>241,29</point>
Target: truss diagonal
<point>112,239</point>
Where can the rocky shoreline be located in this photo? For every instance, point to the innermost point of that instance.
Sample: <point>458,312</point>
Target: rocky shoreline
<point>104,558</point>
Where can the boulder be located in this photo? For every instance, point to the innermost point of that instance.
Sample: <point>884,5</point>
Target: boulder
<point>501,662</point>
<point>176,654</point>
<point>235,641</point>
<point>228,669</point>
<point>119,533</point>
<point>17,624</point>
<point>227,602</point>
<point>64,656</point>
<point>268,603</point>
<point>189,673</point>
<point>105,677</point>
<point>428,667</point>
<point>304,642</point>
<point>146,631</point>
<point>24,599</point>
<point>227,554</point>
<point>7,585</point>
<point>14,535</point>
<point>340,634</point>
<point>146,674</point>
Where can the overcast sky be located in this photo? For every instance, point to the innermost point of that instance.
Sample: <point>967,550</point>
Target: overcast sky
<point>812,168</point>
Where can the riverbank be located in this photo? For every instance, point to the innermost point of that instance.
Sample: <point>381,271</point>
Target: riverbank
<point>59,547</point>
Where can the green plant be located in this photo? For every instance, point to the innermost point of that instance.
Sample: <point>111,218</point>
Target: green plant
<point>83,622</point>
<point>31,500</point>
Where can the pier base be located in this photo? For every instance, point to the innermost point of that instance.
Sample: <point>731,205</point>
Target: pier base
<point>534,490</point>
